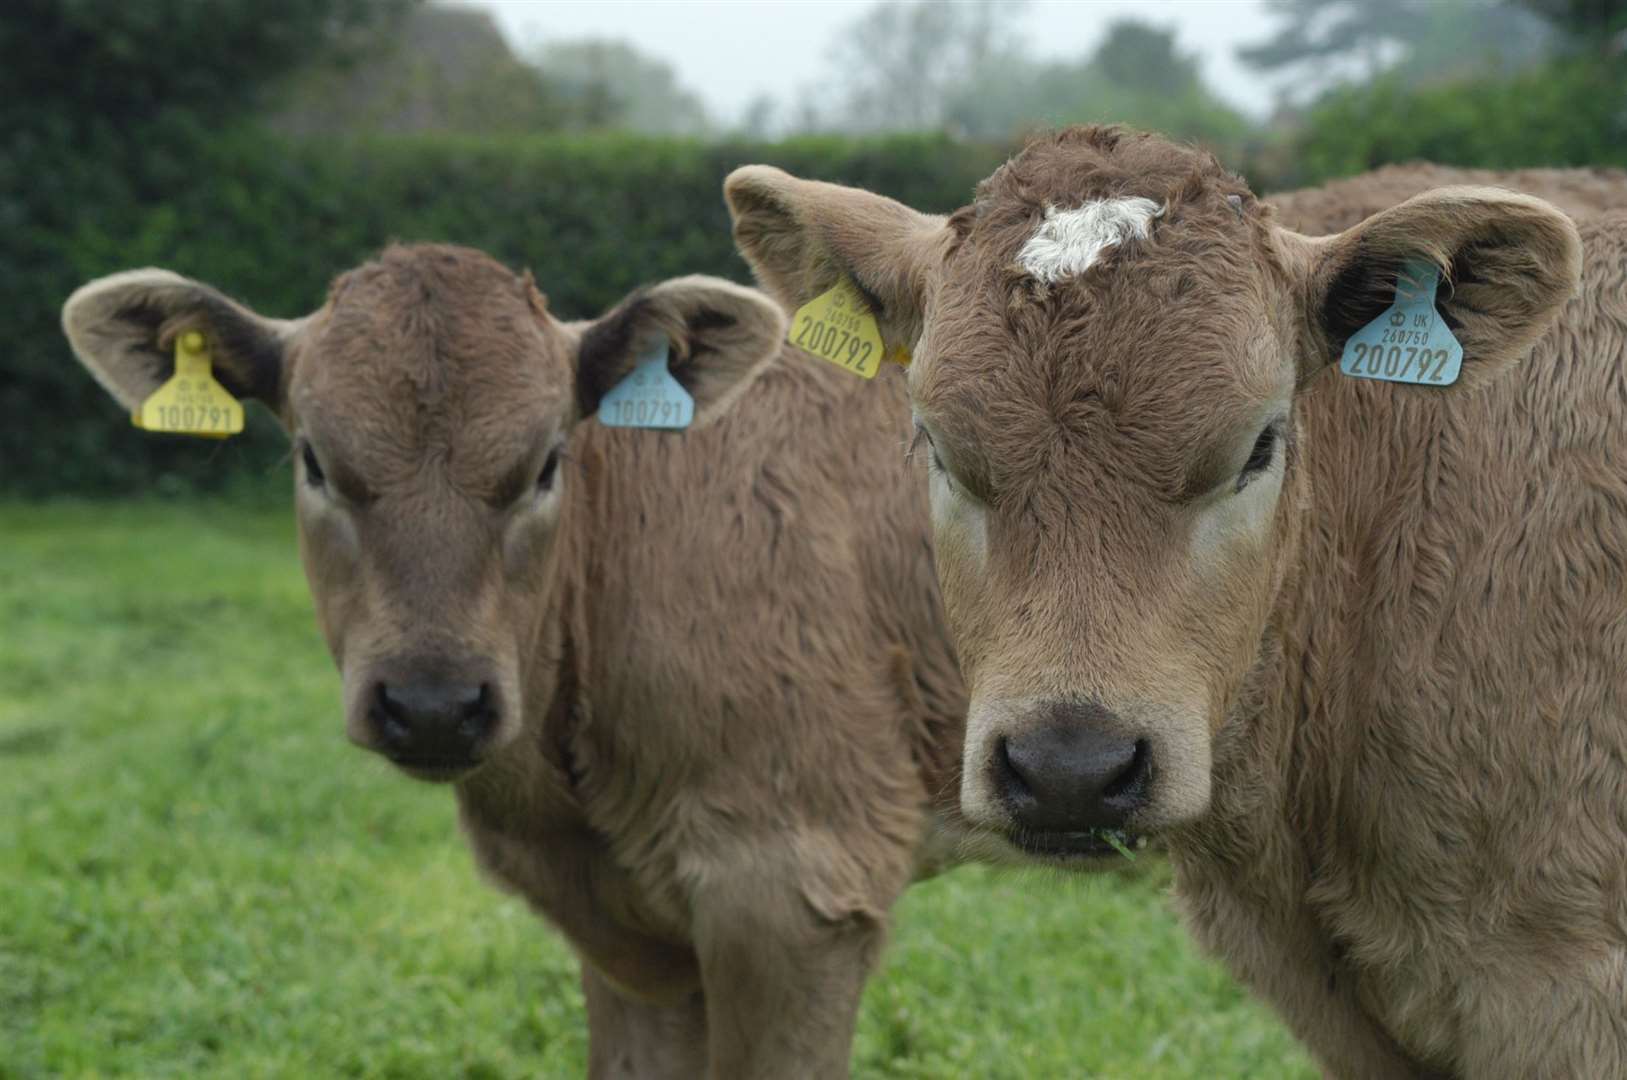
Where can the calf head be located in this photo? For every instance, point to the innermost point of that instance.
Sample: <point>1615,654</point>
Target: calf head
<point>429,401</point>
<point>1110,346</point>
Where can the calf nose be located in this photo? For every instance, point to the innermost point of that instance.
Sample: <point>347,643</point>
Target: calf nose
<point>1070,775</point>
<point>433,723</point>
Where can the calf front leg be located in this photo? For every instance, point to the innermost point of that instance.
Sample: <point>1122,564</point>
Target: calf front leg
<point>1281,955</point>
<point>637,1040</point>
<point>783,967</point>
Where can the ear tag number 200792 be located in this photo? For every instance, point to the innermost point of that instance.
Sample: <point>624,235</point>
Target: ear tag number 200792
<point>649,396</point>
<point>1410,342</point>
<point>191,402</point>
<point>837,325</point>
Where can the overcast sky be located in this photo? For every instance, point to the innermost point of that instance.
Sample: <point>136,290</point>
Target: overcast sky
<point>730,51</point>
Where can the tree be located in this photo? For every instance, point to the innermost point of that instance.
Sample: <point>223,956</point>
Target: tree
<point>438,69</point>
<point>1596,23</point>
<point>1137,75</point>
<point>108,61</point>
<point>896,67</point>
<point>610,84</point>
<point>1325,42</point>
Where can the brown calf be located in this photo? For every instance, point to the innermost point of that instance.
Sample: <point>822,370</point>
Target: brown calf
<point>693,692</point>
<point>1356,650</point>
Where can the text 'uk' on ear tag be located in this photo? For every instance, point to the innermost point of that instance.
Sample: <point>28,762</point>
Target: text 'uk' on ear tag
<point>1410,342</point>
<point>649,397</point>
<point>838,326</point>
<point>191,402</point>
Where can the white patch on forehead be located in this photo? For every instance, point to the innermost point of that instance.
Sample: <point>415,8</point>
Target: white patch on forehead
<point>1067,242</point>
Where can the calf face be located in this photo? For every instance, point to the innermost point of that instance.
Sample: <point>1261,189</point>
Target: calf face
<point>1109,349</point>
<point>429,402</point>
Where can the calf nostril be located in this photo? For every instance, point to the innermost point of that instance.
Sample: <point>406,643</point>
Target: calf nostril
<point>1013,785</point>
<point>387,704</point>
<point>388,719</point>
<point>1133,777</point>
<point>479,714</point>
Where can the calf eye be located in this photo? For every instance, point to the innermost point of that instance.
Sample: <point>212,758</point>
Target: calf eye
<point>313,470</point>
<point>1259,458</point>
<point>550,469</point>
<point>923,435</point>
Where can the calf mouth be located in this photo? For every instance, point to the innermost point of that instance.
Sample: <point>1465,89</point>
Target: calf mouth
<point>435,770</point>
<point>1078,847</point>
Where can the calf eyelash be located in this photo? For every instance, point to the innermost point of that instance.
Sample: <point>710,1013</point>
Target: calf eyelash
<point>915,442</point>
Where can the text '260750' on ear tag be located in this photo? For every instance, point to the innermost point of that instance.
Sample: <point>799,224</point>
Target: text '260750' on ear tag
<point>191,402</point>
<point>838,325</point>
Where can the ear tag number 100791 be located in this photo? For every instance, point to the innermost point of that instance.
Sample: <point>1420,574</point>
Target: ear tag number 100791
<point>649,397</point>
<point>191,402</point>
<point>1410,342</point>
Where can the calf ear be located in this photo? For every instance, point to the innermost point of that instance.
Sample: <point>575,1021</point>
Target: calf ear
<point>1508,263</point>
<point>721,335</point>
<point>123,328</point>
<point>802,236</point>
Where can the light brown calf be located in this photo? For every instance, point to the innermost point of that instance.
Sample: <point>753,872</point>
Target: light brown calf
<point>693,691</point>
<point>1357,651</point>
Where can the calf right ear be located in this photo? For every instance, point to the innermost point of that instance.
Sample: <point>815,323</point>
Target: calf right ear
<point>123,328</point>
<point>802,236</point>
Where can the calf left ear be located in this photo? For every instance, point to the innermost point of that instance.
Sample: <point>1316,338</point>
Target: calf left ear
<point>123,329</point>
<point>1508,264</point>
<point>721,334</point>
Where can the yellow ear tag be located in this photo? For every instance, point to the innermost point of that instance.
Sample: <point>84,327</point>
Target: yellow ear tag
<point>191,402</point>
<point>838,326</point>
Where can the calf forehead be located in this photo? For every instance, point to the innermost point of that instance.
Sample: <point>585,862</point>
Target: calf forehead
<point>1127,378</point>
<point>428,348</point>
<point>1162,336</point>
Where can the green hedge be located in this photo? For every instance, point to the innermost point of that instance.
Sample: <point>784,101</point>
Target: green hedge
<point>272,221</point>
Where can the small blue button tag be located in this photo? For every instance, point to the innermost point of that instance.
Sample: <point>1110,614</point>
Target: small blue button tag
<point>1410,342</point>
<point>649,397</point>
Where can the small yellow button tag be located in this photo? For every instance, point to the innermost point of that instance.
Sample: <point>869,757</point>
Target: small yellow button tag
<point>191,402</point>
<point>836,325</point>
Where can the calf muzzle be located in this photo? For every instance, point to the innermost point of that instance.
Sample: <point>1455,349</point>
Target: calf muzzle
<point>433,728</point>
<point>1072,773</point>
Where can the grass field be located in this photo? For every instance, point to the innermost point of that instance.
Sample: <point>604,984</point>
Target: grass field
<point>200,877</point>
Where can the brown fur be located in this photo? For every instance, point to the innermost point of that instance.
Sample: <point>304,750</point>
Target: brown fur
<point>1386,699</point>
<point>729,702</point>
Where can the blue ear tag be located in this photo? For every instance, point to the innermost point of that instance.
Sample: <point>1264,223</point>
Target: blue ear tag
<point>1410,342</point>
<point>649,397</point>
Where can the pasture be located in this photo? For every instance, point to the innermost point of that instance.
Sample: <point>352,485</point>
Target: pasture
<point>200,877</point>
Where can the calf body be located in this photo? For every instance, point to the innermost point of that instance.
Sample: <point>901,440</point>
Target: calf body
<point>693,692</point>
<point>1357,651</point>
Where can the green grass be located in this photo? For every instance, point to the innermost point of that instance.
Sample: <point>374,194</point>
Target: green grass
<point>199,877</point>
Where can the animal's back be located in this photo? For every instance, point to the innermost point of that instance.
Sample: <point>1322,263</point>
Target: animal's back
<point>1340,204</point>
<point>1469,777</point>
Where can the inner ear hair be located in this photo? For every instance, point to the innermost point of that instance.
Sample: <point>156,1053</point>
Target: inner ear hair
<point>605,350</point>
<point>1363,288</point>
<point>246,357</point>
